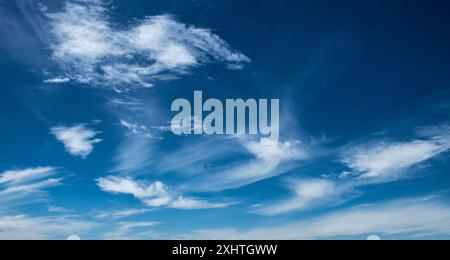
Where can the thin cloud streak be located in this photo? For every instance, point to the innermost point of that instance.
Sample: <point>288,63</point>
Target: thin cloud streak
<point>155,194</point>
<point>407,217</point>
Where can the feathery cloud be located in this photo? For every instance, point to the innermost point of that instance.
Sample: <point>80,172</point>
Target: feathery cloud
<point>268,161</point>
<point>307,193</point>
<point>369,164</point>
<point>155,194</point>
<point>26,175</point>
<point>387,161</point>
<point>57,80</point>
<point>132,231</point>
<point>23,227</point>
<point>27,185</point>
<point>119,214</point>
<point>406,217</point>
<point>92,49</point>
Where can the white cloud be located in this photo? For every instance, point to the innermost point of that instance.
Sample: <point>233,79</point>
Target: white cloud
<point>373,238</point>
<point>73,237</point>
<point>26,175</point>
<point>135,129</point>
<point>121,185</point>
<point>369,164</point>
<point>154,194</point>
<point>307,193</point>
<point>29,188</point>
<point>27,185</point>
<point>386,161</point>
<point>132,231</point>
<point>206,168</point>
<point>134,154</point>
<point>397,218</point>
<point>57,80</point>
<point>78,140</point>
<point>19,227</point>
<point>269,161</point>
<point>194,203</point>
<point>93,49</point>
<point>59,210</point>
<point>118,214</point>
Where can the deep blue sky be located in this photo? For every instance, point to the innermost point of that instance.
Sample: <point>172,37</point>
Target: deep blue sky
<point>365,134</point>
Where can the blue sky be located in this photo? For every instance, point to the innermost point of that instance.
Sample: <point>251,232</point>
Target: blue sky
<point>87,149</point>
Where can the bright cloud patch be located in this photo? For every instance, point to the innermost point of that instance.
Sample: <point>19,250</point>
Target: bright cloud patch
<point>57,80</point>
<point>370,164</point>
<point>135,129</point>
<point>386,160</point>
<point>78,140</point>
<point>92,49</point>
<point>154,194</point>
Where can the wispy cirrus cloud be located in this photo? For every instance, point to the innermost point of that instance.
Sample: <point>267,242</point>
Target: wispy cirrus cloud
<point>266,161</point>
<point>93,49</point>
<point>78,140</point>
<point>135,129</point>
<point>132,231</point>
<point>209,169</point>
<point>133,155</point>
<point>23,227</point>
<point>57,80</point>
<point>155,194</point>
<point>26,185</point>
<point>119,214</point>
<point>373,163</point>
<point>385,161</point>
<point>26,175</point>
<point>415,217</point>
<point>306,193</point>
<point>58,210</point>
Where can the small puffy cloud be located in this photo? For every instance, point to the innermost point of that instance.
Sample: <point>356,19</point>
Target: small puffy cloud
<point>155,194</point>
<point>78,140</point>
<point>93,49</point>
